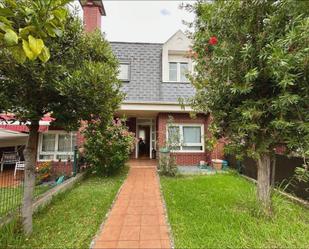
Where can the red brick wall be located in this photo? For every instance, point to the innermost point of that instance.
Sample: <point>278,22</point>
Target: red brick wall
<point>92,18</point>
<point>218,151</point>
<point>60,168</point>
<point>183,158</point>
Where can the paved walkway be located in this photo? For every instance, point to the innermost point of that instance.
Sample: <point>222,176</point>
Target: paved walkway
<point>137,219</point>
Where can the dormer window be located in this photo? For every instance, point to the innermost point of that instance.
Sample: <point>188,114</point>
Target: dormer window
<point>173,71</point>
<point>184,69</point>
<point>124,72</point>
<point>178,71</point>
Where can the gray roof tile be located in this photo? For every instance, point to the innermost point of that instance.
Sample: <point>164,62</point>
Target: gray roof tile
<point>145,83</point>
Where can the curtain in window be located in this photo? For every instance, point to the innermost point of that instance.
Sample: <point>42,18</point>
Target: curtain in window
<point>48,142</point>
<point>173,71</point>
<point>192,134</point>
<point>64,143</point>
<point>183,72</point>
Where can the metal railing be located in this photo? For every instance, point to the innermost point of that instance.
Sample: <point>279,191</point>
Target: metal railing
<point>11,190</point>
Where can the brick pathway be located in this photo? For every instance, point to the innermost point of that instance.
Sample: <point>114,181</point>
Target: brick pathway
<point>137,219</point>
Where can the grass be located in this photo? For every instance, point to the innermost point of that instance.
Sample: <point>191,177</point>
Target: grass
<point>11,197</point>
<point>221,211</point>
<point>71,220</point>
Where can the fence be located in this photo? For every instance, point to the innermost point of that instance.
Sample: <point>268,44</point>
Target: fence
<point>11,190</point>
<point>48,175</point>
<point>284,173</point>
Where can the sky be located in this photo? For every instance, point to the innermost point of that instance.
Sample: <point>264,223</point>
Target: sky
<point>143,21</point>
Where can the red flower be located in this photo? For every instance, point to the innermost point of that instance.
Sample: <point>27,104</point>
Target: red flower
<point>213,40</point>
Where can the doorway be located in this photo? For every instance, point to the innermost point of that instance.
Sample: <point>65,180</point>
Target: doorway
<point>143,141</point>
<point>145,134</point>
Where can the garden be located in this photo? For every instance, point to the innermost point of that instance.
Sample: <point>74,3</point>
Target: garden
<point>251,61</point>
<point>72,219</point>
<point>221,211</point>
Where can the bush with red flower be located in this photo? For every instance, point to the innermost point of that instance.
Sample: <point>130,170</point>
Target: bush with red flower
<point>107,148</point>
<point>208,47</point>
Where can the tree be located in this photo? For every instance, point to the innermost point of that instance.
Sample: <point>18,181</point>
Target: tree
<point>78,83</point>
<point>252,75</point>
<point>25,24</point>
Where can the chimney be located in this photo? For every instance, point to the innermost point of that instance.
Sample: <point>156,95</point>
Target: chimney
<point>93,10</point>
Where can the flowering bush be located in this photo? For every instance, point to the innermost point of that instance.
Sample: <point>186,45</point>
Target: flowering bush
<point>205,51</point>
<point>108,147</point>
<point>43,172</point>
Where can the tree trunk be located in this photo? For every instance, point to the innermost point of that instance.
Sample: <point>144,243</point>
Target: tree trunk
<point>29,182</point>
<point>263,180</point>
<point>273,171</point>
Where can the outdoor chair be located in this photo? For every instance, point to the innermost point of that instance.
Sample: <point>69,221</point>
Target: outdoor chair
<point>19,166</point>
<point>9,158</point>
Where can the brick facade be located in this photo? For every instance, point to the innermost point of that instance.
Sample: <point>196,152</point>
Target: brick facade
<point>60,168</point>
<point>92,17</point>
<point>183,158</point>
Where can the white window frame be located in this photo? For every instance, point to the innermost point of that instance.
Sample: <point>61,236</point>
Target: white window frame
<point>181,144</point>
<point>128,78</point>
<point>178,71</point>
<point>56,152</point>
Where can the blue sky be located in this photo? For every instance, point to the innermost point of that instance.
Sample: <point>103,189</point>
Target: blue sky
<point>143,21</point>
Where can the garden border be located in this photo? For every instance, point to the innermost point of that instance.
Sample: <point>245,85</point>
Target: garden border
<point>289,196</point>
<point>171,236</point>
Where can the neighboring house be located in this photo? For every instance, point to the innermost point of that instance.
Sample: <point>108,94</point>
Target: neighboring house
<point>154,78</point>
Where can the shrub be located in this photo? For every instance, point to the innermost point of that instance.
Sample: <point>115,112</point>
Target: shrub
<point>167,164</point>
<point>108,147</point>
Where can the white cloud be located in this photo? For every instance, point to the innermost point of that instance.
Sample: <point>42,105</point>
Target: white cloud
<point>165,12</point>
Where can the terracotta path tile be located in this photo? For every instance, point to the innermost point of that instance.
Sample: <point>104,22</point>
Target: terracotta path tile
<point>128,244</point>
<point>151,244</point>
<point>137,219</point>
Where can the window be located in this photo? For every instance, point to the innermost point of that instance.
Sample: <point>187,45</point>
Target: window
<point>184,69</point>
<point>178,71</point>
<point>124,71</point>
<point>186,137</point>
<point>173,71</point>
<point>55,146</point>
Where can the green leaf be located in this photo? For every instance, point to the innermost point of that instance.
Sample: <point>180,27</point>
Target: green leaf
<point>6,12</point>
<point>45,55</point>
<point>5,21</point>
<point>10,37</point>
<point>36,45</point>
<point>50,30</point>
<point>18,54</point>
<point>4,27</point>
<point>24,32</point>
<point>58,32</point>
<point>28,50</point>
<point>60,14</point>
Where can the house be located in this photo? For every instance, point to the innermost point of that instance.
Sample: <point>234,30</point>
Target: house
<point>154,78</point>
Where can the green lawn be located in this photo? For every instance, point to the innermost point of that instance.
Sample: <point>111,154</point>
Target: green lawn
<point>71,220</point>
<point>220,211</point>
